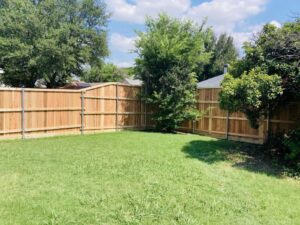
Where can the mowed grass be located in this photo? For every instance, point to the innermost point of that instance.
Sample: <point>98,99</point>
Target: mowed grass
<point>139,178</point>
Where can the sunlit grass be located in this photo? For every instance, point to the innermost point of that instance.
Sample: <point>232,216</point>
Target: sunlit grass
<point>139,178</point>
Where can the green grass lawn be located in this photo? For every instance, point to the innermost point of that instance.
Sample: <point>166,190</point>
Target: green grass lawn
<point>140,178</point>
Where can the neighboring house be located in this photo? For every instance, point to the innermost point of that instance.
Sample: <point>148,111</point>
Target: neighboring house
<point>214,82</point>
<point>79,85</point>
<point>1,84</point>
<point>132,81</point>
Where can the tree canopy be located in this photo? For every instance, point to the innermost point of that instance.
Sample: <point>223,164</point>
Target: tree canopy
<point>107,73</point>
<point>272,62</point>
<point>168,53</point>
<point>50,40</point>
<point>222,51</point>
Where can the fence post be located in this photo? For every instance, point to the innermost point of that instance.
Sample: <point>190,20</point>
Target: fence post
<point>267,131</point>
<point>145,106</point>
<point>227,125</point>
<point>82,113</point>
<point>194,124</point>
<point>210,119</point>
<point>23,112</point>
<point>117,106</point>
<point>141,109</point>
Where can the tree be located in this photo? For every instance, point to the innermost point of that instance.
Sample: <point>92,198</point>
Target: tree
<point>276,52</point>
<point>107,73</point>
<point>50,40</point>
<point>168,53</point>
<point>251,94</point>
<point>222,51</point>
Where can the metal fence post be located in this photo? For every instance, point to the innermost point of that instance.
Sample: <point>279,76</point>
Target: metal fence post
<point>82,113</point>
<point>23,112</point>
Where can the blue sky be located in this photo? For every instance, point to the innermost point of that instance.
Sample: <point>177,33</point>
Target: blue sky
<point>240,18</point>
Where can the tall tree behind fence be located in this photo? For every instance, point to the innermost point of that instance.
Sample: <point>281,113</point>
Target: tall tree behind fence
<point>114,106</point>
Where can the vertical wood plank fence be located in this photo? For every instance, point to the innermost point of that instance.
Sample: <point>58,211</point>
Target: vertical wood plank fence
<point>39,112</point>
<point>115,106</point>
<point>235,126</point>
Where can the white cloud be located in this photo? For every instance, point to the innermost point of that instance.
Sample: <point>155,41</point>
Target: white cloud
<point>136,12</point>
<point>122,43</point>
<point>247,35</point>
<point>224,15</point>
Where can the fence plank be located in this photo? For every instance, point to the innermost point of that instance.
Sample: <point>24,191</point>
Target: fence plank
<point>114,106</point>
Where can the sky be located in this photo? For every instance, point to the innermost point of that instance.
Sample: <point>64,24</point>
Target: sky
<point>239,18</point>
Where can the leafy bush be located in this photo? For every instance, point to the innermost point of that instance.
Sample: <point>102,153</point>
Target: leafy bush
<point>276,52</point>
<point>251,94</point>
<point>292,141</point>
<point>285,149</point>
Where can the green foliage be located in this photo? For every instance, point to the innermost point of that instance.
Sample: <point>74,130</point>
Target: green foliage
<point>275,51</point>
<point>168,53</point>
<point>50,39</point>
<point>251,94</point>
<point>223,51</point>
<point>292,141</point>
<point>284,149</point>
<point>175,99</point>
<point>107,73</point>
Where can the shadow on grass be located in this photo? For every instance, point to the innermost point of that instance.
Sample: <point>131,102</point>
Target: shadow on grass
<point>244,156</point>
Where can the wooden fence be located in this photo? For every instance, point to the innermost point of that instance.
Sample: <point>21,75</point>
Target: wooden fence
<point>220,123</point>
<point>113,106</point>
<point>35,112</point>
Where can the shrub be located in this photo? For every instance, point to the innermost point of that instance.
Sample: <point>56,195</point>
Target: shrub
<point>251,94</point>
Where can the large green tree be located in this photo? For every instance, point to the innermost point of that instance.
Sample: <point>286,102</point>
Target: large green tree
<point>107,73</point>
<point>50,40</point>
<point>272,63</point>
<point>221,50</point>
<point>168,53</point>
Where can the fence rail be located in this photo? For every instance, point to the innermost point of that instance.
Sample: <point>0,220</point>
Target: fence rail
<point>220,123</point>
<point>37,112</point>
<point>113,106</point>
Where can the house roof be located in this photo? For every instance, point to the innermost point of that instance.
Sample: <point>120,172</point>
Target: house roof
<point>79,85</point>
<point>132,81</point>
<point>214,82</point>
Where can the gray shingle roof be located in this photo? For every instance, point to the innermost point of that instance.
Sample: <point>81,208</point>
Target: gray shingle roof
<point>132,81</point>
<point>214,82</point>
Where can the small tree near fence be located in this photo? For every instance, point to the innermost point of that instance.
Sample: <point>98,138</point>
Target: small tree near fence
<point>168,53</point>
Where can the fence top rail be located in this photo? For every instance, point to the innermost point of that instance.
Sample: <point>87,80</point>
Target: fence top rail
<point>83,89</point>
<point>66,90</point>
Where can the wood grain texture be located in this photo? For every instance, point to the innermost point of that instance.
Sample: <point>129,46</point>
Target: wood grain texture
<point>116,106</point>
<point>236,126</point>
<point>50,112</point>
